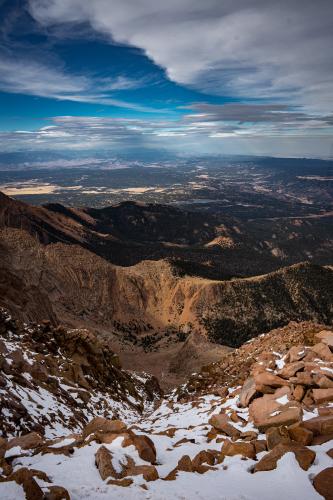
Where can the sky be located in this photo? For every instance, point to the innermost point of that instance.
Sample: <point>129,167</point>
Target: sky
<point>184,76</point>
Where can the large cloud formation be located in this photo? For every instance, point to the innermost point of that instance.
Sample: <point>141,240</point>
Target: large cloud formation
<point>250,48</point>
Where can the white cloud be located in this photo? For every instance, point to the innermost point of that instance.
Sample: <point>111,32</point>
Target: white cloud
<point>250,48</point>
<point>24,76</point>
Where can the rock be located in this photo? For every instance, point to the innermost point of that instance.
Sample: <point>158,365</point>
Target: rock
<point>121,482</point>
<point>319,425</point>
<point>145,448</point>
<point>265,379</point>
<point>303,378</point>
<point>243,448</point>
<point>323,351</point>
<point>222,392</point>
<point>26,442</point>
<point>247,393</point>
<point>103,460</point>
<point>298,393</point>
<point>267,359</point>
<point>260,445</point>
<point>249,435</point>
<point>149,472</point>
<point>185,464</point>
<point>323,483</point>
<point>3,446</point>
<point>322,395</point>
<point>325,410</point>
<point>103,425</point>
<point>203,457</point>
<point>276,435</point>
<point>303,455</point>
<point>330,453</point>
<point>300,434</point>
<point>296,353</point>
<point>290,369</point>
<point>6,468</point>
<point>25,478</point>
<point>221,423</point>
<point>324,382</point>
<point>57,493</point>
<point>326,337</point>
<point>269,410</point>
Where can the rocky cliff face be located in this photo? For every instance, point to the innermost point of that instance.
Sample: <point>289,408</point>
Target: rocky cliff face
<point>53,379</point>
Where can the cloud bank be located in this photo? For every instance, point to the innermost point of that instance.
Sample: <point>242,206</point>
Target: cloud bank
<point>250,48</point>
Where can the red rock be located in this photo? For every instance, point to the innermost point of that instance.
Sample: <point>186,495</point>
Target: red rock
<point>221,423</point>
<point>276,435</point>
<point>319,425</point>
<point>185,464</point>
<point>322,395</point>
<point>260,445</point>
<point>303,378</point>
<point>323,351</point>
<point>268,379</point>
<point>298,393</point>
<point>25,478</point>
<point>303,455</point>
<point>296,353</point>
<point>26,442</point>
<point>268,359</point>
<point>121,482</point>
<point>325,410</point>
<point>330,453</point>
<point>321,439</point>
<point>300,434</point>
<point>248,392</point>
<point>57,493</point>
<point>326,337</point>
<point>103,425</point>
<point>268,412</point>
<point>243,448</point>
<point>290,369</point>
<point>323,483</point>
<point>149,472</point>
<point>203,457</point>
<point>145,448</point>
<point>103,460</point>
<point>324,382</point>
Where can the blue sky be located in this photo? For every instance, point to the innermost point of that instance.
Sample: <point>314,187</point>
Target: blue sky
<point>243,77</point>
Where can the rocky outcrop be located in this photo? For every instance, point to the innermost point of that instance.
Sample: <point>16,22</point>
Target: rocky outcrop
<point>74,373</point>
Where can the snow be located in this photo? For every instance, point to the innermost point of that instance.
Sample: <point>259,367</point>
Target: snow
<point>283,400</point>
<point>16,450</point>
<point>11,491</point>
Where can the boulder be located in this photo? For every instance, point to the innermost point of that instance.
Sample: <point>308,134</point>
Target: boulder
<point>121,482</point>
<point>323,483</point>
<point>323,351</point>
<point>322,395</point>
<point>25,478</point>
<point>300,434</point>
<point>243,448</point>
<point>290,369</point>
<point>247,393</point>
<point>57,493</point>
<point>296,353</point>
<point>265,378</point>
<point>26,442</point>
<point>203,457</point>
<point>185,464</point>
<point>103,425</point>
<point>145,447</point>
<point>324,382</point>
<point>273,410</point>
<point>149,472</point>
<point>103,461</point>
<point>298,393</point>
<point>326,337</point>
<point>319,425</point>
<point>303,455</point>
<point>276,435</point>
<point>303,378</point>
<point>330,453</point>
<point>221,423</point>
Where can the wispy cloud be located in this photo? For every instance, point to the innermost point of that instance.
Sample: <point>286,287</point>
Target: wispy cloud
<point>250,48</point>
<point>24,76</point>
